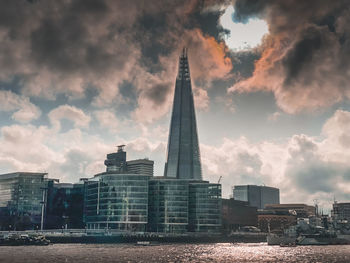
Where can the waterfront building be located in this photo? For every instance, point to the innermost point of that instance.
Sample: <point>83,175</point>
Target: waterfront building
<point>65,205</point>
<point>300,210</point>
<point>128,197</point>
<point>168,205</point>
<point>177,206</point>
<point>237,214</point>
<point>269,220</point>
<point>341,211</point>
<point>21,200</point>
<point>118,198</point>
<point>204,207</point>
<point>257,196</point>
<point>183,156</point>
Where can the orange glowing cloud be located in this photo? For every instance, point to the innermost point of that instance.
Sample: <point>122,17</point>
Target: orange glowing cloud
<point>303,61</point>
<point>208,59</point>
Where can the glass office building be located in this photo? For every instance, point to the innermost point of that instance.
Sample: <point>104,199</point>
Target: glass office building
<point>65,205</point>
<point>180,201</point>
<point>204,207</point>
<point>168,205</point>
<point>257,196</point>
<point>177,206</point>
<point>21,196</point>
<point>127,196</point>
<point>183,156</point>
<point>118,199</point>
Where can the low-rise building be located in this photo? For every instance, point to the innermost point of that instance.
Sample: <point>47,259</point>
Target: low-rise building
<point>272,221</point>
<point>237,214</point>
<point>300,210</point>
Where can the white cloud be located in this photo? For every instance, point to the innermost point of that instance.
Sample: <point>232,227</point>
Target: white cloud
<point>24,110</point>
<point>303,167</point>
<point>77,116</point>
<point>107,119</point>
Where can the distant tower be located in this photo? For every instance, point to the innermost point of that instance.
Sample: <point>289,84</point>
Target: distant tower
<point>116,161</point>
<point>183,156</point>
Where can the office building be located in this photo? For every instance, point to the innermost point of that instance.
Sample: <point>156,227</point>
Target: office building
<point>21,200</point>
<point>237,214</point>
<point>65,205</point>
<point>204,207</point>
<point>180,201</point>
<point>168,205</point>
<point>341,211</point>
<point>257,196</point>
<point>269,220</point>
<point>178,205</point>
<point>183,156</point>
<point>128,197</point>
<point>140,166</point>
<point>118,198</point>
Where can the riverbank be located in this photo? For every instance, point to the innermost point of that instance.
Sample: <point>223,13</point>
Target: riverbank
<point>98,237</point>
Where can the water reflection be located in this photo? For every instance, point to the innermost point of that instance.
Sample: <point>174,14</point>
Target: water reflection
<point>96,253</point>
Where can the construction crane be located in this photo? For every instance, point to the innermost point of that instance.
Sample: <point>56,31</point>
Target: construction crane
<point>219,179</point>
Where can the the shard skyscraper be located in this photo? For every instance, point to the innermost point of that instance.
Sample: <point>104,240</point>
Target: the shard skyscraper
<point>183,156</point>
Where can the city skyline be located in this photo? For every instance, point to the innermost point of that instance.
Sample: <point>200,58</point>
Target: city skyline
<point>271,91</point>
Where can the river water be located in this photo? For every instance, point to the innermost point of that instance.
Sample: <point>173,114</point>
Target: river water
<point>223,252</point>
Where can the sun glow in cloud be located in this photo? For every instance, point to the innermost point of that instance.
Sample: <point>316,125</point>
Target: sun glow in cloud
<point>243,36</point>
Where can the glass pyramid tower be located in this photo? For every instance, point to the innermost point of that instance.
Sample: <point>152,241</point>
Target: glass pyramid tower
<point>183,156</point>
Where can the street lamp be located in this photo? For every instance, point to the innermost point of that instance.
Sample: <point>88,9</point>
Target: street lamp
<point>42,208</point>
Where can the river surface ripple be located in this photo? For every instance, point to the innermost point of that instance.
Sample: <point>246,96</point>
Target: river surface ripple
<point>221,252</point>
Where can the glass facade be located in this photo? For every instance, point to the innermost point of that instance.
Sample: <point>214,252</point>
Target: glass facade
<point>257,196</point>
<point>65,203</point>
<point>168,205</point>
<point>21,195</point>
<point>204,207</point>
<point>177,206</point>
<point>117,201</point>
<point>183,156</point>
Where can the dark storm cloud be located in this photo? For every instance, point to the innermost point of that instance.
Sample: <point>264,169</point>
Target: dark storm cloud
<point>65,39</point>
<point>245,9</point>
<point>306,55</point>
<point>68,46</point>
<point>158,93</point>
<point>296,59</point>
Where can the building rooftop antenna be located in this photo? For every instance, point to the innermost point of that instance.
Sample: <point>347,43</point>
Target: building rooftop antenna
<point>121,147</point>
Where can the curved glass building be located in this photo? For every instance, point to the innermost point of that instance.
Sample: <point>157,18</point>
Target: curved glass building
<point>117,201</point>
<point>118,198</point>
<point>168,205</point>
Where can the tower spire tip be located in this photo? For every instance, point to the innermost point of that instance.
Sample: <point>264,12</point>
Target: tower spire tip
<point>184,52</point>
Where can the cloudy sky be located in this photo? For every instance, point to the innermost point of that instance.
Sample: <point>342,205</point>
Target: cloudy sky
<point>270,78</point>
